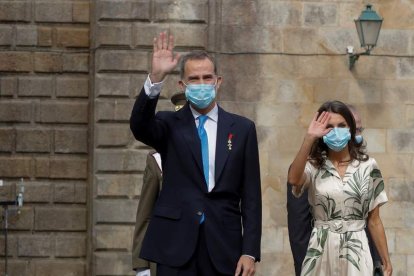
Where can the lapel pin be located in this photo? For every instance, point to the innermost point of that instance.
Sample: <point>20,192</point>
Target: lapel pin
<point>229,143</point>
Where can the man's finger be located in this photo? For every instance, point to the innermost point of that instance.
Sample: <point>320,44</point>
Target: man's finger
<point>238,269</point>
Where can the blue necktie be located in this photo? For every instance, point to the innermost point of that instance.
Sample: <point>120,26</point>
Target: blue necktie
<point>204,145</point>
<point>204,150</point>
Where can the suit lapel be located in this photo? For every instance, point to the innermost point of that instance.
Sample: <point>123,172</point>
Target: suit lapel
<point>189,132</point>
<point>224,127</point>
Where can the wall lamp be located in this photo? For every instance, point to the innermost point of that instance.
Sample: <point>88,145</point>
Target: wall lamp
<point>368,26</point>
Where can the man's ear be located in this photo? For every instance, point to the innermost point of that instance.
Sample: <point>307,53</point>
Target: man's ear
<point>219,81</point>
<point>181,85</point>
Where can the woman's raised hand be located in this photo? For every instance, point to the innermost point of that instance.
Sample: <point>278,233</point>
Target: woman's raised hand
<point>318,126</point>
<point>163,58</point>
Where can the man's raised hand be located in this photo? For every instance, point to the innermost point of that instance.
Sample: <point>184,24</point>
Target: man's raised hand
<point>163,58</point>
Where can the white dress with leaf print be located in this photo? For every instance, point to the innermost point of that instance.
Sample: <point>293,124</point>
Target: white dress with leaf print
<point>338,244</point>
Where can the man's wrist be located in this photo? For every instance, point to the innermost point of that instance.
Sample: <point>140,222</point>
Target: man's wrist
<point>253,258</point>
<point>156,78</point>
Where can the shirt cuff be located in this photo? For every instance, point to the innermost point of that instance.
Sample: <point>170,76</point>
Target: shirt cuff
<point>152,89</point>
<point>254,259</point>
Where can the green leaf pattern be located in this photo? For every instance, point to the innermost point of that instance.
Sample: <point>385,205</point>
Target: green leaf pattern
<point>360,187</point>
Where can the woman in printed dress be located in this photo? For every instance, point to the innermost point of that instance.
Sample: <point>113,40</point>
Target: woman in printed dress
<point>345,191</point>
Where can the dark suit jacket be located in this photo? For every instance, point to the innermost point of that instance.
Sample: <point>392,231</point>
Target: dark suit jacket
<point>151,187</point>
<point>299,226</point>
<point>233,204</point>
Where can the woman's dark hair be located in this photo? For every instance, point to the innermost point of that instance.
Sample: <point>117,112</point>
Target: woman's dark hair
<point>319,149</point>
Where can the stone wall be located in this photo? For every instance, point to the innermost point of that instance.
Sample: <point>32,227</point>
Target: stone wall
<point>44,120</point>
<point>279,59</point>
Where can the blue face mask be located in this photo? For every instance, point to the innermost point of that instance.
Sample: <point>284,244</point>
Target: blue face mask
<point>358,139</point>
<point>200,95</point>
<point>337,138</point>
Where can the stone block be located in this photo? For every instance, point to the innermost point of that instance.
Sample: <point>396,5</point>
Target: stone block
<point>16,267</point>
<point>37,245</point>
<point>186,35</point>
<point>80,12</point>
<point>71,140</point>
<point>6,35</point>
<point>393,12</point>
<point>81,192</point>
<point>318,14</point>
<point>378,115</point>
<point>397,91</point>
<point>409,116</point>
<point>113,110</point>
<point>269,115</point>
<point>299,40</point>
<point>121,185</point>
<point>115,135</point>
<point>400,140</point>
<point>48,62</point>
<point>395,165</point>
<point>33,140</point>
<point>114,237</point>
<point>53,12</point>
<point>121,60</point>
<point>114,34</point>
<point>68,192</point>
<point>401,189</point>
<point>72,86</point>
<point>333,40</point>
<point>393,41</point>
<point>274,215</point>
<point>72,37</point>
<point>26,35</point>
<point>193,10</point>
<point>11,246</point>
<point>44,36</point>
<point>120,160</point>
<point>282,267</point>
<point>261,13</point>
<point>75,112</point>
<point>15,11</point>
<point>53,267</point>
<point>7,139</point>
<point>405,68</point>
<point>35,86</point>
<point>115,211</point>
<point>16,61</point>
<point>8,86</point>
<point>70,245</point>
<point>37,192</point>
<point>76,63</point>
<point>21,219</point>
<point>60,218</point>
<point>119,10</point>
<point>261,39</point>
<point>112,263</point>
<point>112,85</point>
<point>375,139</point>
<point>379,67</point>
<point>404,242</point>
<point>16,166</point>
<point>61,167</point>
<point>272,240</point>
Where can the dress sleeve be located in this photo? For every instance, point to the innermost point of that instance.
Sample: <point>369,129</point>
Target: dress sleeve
<point>309,172</point>
<point>378,195</point>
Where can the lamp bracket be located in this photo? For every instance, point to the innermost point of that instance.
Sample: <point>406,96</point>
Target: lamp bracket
<point>353,57</point>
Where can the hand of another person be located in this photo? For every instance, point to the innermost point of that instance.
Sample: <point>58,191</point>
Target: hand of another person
<point>317,127</point>
<point>163,58</point>
<point>387,270</point>
<point>245,266</point>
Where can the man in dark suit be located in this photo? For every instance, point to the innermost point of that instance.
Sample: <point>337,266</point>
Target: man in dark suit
<point>300,217</point>
<point>207,219</point>
<point>151,187</point>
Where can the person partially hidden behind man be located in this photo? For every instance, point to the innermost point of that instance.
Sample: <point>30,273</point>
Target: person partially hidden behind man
<point>300,216</point>
<point>207,219</point>
<point>151,187</point>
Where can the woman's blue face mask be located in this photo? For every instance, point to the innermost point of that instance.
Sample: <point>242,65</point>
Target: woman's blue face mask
<point>337,138</point>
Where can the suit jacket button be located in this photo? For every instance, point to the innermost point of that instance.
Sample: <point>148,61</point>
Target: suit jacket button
<point>199,213</point>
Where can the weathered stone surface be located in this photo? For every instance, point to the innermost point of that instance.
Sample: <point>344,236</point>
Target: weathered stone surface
<point>80,12</point>
<point>16,61</point>
<point>35,86</point>
<point>62,112</point>
<point>115,211</point>
<point>113,263</point>
<point>16,166</point>
<point>121,10</point>
<point>76,63</point>
<point>15,11</point>
<point>375,139</point>
<point>70,245</point>
<point>405,68</point>
<point>122,60</point>
<point>118,185</point>
<point>113,135</point>
<point>33,140</point>
<point>60,218</point>
<point>7,139</point>
<point>53,12</point>
<point>193,10</point>
<point>6,35</point>
<point>114,34</point>
<point>26,35</point>
<point>54,267</point>
<point>65,192</point>
<point>112,85</point>
<point>37,245</point>
<point>61,167</point>
<point>71,140</point>
<point>119,160</point>
<point>320,14</point>
<point>8,86</point>
<point>113,110</point>
<point>44,36</point>
<point>76,86</point>
<point>114,237</point>
<point>72,37</point>
<point>48,62</point>
<point>401,189</point>
<point>37,191</point>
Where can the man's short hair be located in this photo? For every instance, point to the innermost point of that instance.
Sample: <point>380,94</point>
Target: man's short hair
<point>196,55</point>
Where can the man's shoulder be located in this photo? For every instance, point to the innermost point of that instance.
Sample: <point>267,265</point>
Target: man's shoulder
<point>238,118</point>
